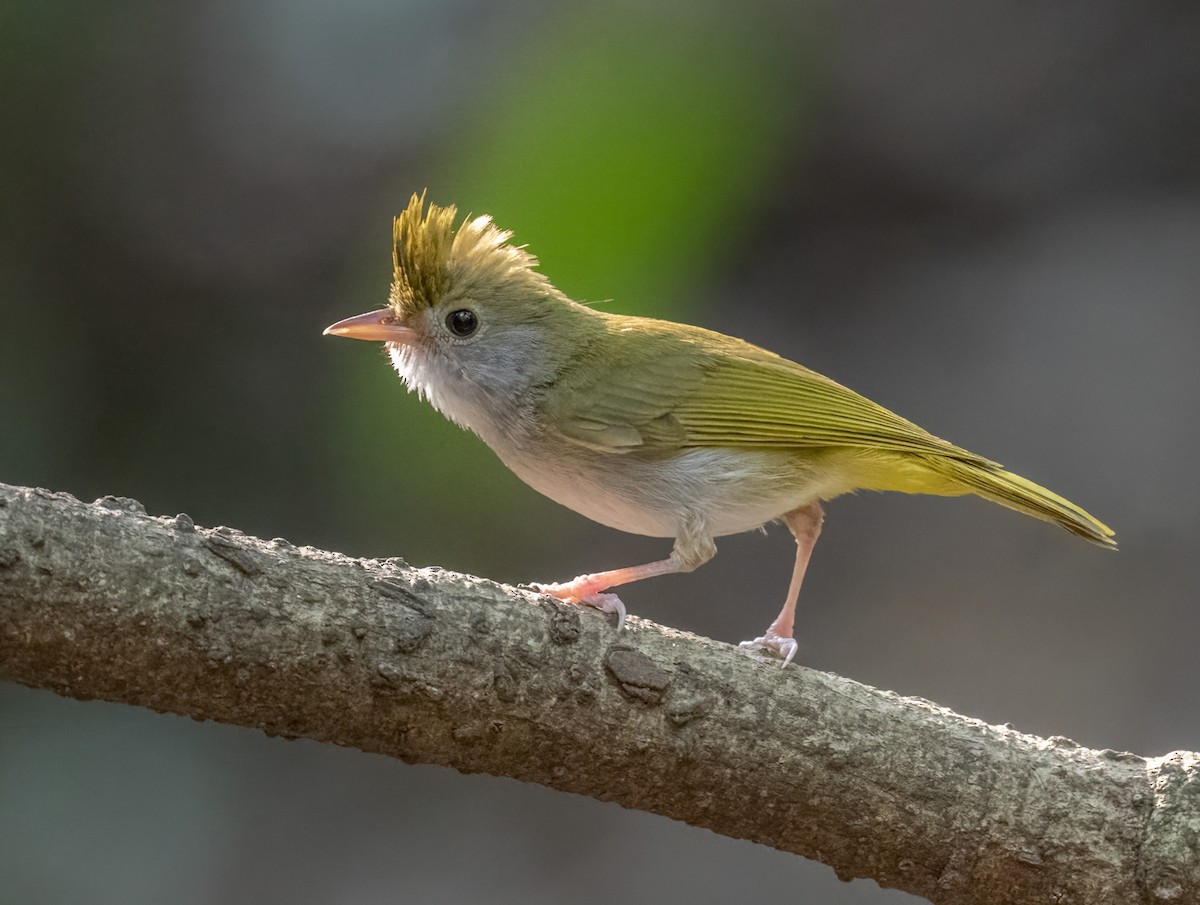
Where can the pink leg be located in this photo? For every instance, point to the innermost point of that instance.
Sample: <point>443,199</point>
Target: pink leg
<point>586,585</point>
<point>805,525</point>
<point>690,553</point>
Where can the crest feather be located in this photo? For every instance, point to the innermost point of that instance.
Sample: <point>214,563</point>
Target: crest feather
<point>430,258</point>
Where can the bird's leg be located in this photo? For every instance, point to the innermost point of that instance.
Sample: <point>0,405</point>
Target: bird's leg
<point>805,525</point>
<point>586,589</point>
<point>693,548</point>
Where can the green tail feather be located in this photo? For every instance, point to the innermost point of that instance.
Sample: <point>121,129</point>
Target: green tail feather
<point>1003,487</point>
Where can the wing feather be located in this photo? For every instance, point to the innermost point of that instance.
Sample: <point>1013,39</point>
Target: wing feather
<point>713,390</point>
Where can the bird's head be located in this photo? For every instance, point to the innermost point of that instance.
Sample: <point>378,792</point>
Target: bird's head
<point>468,314</point>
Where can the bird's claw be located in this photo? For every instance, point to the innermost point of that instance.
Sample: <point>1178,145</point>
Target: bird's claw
<point>605,603</point>
<point>775,644</point>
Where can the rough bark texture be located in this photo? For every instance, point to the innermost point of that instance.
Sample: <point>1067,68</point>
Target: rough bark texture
<point>103,601</point>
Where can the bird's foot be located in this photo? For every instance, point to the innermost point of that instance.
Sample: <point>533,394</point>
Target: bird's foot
<point>775,644</point>
<point>607,603</point>
<point>577,591</point>
<point>574,590</point>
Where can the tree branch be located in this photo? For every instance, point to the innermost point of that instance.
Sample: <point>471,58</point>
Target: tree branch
<point>103,601</point>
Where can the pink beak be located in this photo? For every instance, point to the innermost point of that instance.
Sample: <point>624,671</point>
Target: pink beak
<point>375,326</point>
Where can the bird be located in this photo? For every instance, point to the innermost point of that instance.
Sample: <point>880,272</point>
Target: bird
<point>648,426</point>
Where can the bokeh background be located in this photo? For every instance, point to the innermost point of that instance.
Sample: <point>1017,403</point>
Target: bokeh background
<point>985,216</point>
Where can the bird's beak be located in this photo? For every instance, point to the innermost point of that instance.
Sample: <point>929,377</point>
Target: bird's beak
<point>376,326</point>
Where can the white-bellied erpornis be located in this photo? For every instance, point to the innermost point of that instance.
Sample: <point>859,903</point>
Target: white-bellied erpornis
<point>648,426</point>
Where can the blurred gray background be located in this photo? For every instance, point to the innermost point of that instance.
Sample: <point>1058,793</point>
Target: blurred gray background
<point>985,216</point>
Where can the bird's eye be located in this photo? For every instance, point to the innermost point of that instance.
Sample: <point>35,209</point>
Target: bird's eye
<point>462,322</point>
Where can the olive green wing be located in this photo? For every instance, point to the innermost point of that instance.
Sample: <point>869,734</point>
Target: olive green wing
<point>676,387</point>
<point>625,403</point>
<point>750,399</point>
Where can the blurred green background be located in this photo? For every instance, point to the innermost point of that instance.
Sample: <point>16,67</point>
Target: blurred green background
<point>985,216</point>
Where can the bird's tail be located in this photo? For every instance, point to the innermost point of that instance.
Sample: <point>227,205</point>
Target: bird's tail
<point>993,483</point>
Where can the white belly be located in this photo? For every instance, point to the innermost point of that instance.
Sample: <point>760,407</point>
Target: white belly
<point>728,491</point>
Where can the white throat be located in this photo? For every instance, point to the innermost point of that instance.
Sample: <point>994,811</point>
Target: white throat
<point>493,405</point>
